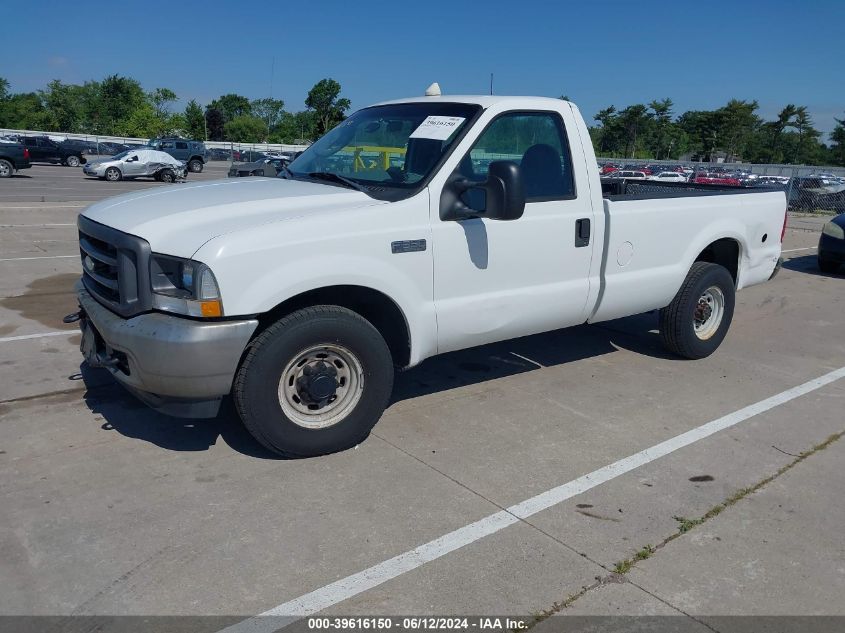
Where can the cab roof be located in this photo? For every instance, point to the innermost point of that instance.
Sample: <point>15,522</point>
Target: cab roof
<point>485,101</point>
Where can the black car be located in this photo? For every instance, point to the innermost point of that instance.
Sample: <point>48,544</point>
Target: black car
<point>107,148</point>
<point>215,153</point>
<point>249,156</point>
<point>45,150</point>
<point>269,167</point>
<point>832,245</point>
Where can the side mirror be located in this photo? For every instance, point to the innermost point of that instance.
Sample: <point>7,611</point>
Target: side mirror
<point>503,193</point>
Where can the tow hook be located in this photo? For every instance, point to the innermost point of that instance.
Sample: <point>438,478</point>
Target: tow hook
<point>73,317</point>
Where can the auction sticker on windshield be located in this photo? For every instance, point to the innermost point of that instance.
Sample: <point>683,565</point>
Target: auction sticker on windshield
<point>438,128</point>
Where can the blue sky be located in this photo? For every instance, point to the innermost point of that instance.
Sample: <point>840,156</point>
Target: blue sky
<point>598,53</point>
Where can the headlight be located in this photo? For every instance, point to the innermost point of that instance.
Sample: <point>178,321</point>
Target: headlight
<point>834,230</point>
<point>184,286</point>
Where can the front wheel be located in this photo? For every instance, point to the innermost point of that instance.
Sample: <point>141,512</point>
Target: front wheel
<point>314,382</point>
<point>697,320</point>
<point>166,175</point>
<point>72,161</point>
<point>113,174</point>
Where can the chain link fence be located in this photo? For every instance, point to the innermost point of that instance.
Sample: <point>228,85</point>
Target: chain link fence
<point>101,145</point>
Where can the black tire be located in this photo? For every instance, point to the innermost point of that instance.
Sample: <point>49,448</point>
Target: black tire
<point>72,161</point>
<point>195,165</point>
<point>6,168</point>
<point>166,175</point>
<point>113,174</point>
<point>678,319</point>
<point>827,266</point>
<point>258,382</point>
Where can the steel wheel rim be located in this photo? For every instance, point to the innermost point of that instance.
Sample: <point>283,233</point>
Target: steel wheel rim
<point>709,312</point>
<point>73,161</point>
<point>4,170</point>
<point>297,396</point>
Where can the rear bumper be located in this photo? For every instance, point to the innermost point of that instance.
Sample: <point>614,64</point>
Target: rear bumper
<point>178,366</point>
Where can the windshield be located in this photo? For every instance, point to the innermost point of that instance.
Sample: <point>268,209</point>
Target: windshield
<point>392,145</point>
<point>121,155</point>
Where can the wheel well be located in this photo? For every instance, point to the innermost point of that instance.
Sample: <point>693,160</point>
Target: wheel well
<point>199,158</point>
<point>376,307</point>
<point>725,253</point>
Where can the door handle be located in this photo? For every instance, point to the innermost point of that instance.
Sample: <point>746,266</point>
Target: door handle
<point>582,232</point>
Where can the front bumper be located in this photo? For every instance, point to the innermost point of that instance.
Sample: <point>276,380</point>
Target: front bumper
<point>178,366</point>
<point>93,170</point>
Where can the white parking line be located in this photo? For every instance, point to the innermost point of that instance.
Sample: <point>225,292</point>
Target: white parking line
<point>31,226</point>
<point>794,250</point>
<point>22,259</point>
<point>380,573</point>
<point>42,207</point>
<point>24,337</point>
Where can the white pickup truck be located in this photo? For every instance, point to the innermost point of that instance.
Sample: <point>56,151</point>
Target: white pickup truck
<point>413,228</point>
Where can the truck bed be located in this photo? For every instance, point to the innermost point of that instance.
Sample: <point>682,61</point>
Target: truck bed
<point>653,232</point>
<point>622,189</point>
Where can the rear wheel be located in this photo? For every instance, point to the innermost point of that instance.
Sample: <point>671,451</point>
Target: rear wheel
<point>72,161</point>
<point>6,168</point>
<point>195,165</point>
<point>827,266</point>
<point>113,174</point>
<point>314,382</point>
<point>697,320</point>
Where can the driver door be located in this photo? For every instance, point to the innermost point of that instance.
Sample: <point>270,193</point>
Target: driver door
<point>495,279</point>
<point>132,166</point>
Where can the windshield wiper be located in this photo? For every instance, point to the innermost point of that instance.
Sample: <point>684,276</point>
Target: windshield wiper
<point>341,180</point>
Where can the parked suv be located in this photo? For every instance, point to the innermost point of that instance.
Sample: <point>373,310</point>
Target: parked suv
<point>192,152</point>
<point>45,150</point>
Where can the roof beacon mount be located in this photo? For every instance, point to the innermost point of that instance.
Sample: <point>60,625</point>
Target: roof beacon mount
<point>433,90</point>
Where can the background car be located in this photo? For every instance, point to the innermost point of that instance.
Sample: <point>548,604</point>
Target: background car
<point>46,150</point>
<point>269,167</point>
<point>716,178</point>
<point>135,163</point>
<point>628,174</point>
<point>13,156</point>
<point>216,153</point>
<point>669,176</point>
<point>249,155</point>
<point>193,153</point>
<point>832,245</point>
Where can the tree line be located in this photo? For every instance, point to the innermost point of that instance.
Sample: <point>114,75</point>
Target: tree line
<point>734,132</point>
<point>119,106</point>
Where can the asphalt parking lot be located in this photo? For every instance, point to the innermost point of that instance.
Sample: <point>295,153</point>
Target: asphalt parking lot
<point>583,472</point>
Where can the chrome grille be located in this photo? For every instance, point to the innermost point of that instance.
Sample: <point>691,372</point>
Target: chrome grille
<point>99,265</point>
<point>115,267</point>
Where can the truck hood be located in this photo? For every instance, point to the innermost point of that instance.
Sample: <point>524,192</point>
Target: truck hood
<point>178,219</point>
